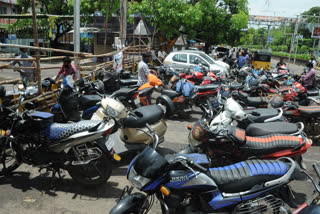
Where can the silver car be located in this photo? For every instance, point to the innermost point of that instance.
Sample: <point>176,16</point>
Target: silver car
<point>185,59</point>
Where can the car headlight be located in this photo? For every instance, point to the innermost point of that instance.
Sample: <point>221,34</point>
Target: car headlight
<point>113,113</point>
<point>136,180</point>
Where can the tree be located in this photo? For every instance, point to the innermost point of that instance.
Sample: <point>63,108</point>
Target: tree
<point>212,21</point>
<point>64,7</point>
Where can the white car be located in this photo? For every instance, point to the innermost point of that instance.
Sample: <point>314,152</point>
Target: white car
<point>185,59</point>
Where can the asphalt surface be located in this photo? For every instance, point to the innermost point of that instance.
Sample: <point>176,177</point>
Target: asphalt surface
<point>27,191</point>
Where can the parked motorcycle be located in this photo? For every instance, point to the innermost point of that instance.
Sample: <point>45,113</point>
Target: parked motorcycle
<point>129,133</point>
<point>187,96</point>
<point>33,138</point>
<point>225,143</point>
<point>308,115</point>
<point>182,185</point>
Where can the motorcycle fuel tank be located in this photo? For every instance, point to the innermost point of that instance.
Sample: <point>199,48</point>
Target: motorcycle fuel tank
<point>182,179</point>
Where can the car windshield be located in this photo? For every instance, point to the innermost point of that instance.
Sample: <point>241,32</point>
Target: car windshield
<point>207,58</point>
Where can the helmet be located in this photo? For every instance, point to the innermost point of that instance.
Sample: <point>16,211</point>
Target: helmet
<point>276,102</point>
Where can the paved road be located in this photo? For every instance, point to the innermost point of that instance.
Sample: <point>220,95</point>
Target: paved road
<point>29,192</point>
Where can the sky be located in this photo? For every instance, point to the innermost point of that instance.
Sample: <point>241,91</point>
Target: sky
<point>285,8</point>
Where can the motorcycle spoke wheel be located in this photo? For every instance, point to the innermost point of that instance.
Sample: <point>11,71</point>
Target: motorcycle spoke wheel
<point>8,160</point>
<point>96,172</point>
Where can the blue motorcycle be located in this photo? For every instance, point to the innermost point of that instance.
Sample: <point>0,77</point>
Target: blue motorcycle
<point>183,185</point>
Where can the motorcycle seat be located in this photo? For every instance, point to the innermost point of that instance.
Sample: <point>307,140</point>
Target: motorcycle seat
<point>262,129</point>
<point>235,86</point>
<point>313,92</point>
<point>264,145</point>
<point>127,82</point>
<point>309,111</point>
<point>142,115</point>
<point>170,93</point>
<point>243,95</point>
<point>259,115</point>
<point>244,175</point>
<point>256,101</point>
<point>124,92</point>
<point>87,101</point>
<point>209,87</point>
<point>59,131</point>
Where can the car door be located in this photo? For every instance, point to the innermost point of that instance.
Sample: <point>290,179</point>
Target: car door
<point>180,61</point>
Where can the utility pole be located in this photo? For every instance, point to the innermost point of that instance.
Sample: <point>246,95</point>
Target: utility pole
<point>36,43</point>
<point>76,31</point>
<point>294,37</point>
<point>268,37</point>
<point>318,38</point>
<point>123,21</point>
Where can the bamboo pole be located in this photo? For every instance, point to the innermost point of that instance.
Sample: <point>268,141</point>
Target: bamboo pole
<point>42,49</point>
<point>14,81</point>
<point>34,59</point>
<point>36,43</point>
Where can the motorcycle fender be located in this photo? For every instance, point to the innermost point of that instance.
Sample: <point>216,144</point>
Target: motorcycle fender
<point>314,209</point>
<point>165,100</point>
<point>112,155</point>
<point>129,204</point>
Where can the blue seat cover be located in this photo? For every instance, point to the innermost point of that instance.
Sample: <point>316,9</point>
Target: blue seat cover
<point>59,131</point>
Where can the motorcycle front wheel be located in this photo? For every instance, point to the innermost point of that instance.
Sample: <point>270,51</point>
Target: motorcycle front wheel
<point>90,166</point>
<point>9,156</point>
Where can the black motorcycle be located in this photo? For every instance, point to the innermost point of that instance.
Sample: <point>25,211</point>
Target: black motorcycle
<point>33,138</point>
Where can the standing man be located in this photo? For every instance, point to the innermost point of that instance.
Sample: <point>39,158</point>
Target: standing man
<point>143,69</point>
<point>26,75</point>
<point>242,59</point>
<point>309,77</point>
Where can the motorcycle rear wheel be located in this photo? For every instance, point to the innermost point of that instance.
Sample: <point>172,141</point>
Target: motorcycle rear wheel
<point>95,173</point>
<point>9,157</point>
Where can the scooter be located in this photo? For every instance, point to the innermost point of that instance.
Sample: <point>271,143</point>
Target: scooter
<point>129,133</point>
<point>182,185</point>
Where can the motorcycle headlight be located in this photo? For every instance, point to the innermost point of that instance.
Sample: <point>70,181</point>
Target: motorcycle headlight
<point>136,180</point>
<point>112,112</point>
<point>192,141</point>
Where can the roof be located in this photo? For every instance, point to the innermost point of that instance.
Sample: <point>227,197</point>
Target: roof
<point>29,16</point>
<point>141,29</point>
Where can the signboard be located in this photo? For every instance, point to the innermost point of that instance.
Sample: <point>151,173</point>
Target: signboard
<point>4,23</point>
<point>270,39</point>
<point>272,19</point>
<point>117,62</point>
<point>315,32</point>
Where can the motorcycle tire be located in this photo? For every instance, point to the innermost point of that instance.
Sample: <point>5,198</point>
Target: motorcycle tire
<point>8,155</point>
<point>95,173</point>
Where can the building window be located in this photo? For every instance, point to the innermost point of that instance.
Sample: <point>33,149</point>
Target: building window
<point>3,10</point>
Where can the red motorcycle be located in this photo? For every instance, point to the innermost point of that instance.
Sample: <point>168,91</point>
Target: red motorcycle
<point>225,143</point>
<point>183,101</point>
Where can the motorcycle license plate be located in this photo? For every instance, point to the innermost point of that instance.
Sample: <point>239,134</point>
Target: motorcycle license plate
<point>110,143</point>
<point>136,101</point>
